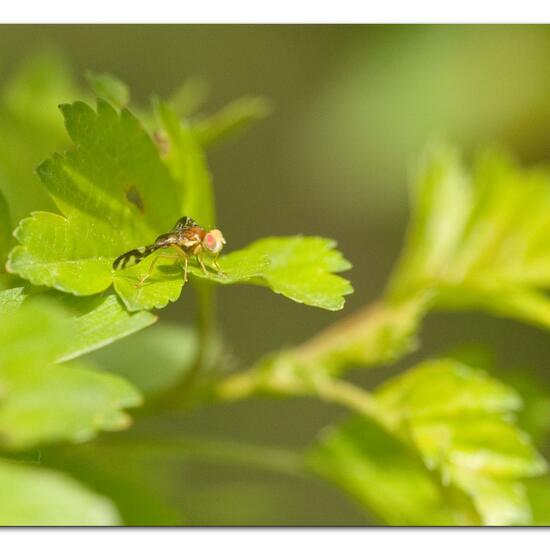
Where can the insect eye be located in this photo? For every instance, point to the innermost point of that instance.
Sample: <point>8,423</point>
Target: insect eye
<point>214,241</point>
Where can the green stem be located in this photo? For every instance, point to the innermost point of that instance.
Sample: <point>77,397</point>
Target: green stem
<point>216,451</point>
<point>205,322</point>
<point>205,329</point>
<point>333,390</point>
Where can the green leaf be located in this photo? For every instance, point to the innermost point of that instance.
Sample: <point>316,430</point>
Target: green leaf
<point>110,88</point>
<point>103,189</point>
<point>461,423</point>
<point>30,128</point>
<point>93,321</point>
<point>441,204</point>
<point>43,403</point>
<point>382,474</point>
<point>189,97</point>
<point>11,299</point>
<point>447,388</point>
<point>187,164</point>
<point>231,119</point>
<point>152,360</point>
<point>300,268</point>
<point>40,497</point>
<point>109,206</point>
<point>97,321</point>
<point>5,229</point>
<point>480,241</point>
<point>450,443</point>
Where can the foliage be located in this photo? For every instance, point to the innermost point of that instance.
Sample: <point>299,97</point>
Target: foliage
<point>43,402</point>
<point>458,422</point>
<point>102,189</point>
<point>484,252</point>
<point>43,497</point>
<point>443,443</point>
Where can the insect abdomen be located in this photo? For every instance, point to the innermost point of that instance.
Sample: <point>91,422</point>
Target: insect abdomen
<point>135,256</point>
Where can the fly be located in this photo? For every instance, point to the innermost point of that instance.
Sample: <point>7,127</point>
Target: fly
<point>187,238</point>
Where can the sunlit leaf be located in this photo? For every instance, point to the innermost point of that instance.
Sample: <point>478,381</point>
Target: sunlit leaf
<point>41,497</point>
<point>381,473</point>
<point>103,189</point>
<point>109,206</point>
<point>300,268</point>
<point>42,402</point>
<point>480,241</point>
<point>461,423</point>
<point>450,445</point>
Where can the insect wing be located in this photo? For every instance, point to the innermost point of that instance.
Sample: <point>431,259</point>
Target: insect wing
<point>185,223</point>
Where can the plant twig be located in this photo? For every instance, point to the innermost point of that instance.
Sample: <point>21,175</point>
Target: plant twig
<point>217,451</point>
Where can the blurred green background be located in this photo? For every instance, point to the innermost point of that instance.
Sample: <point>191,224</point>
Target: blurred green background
<point>353,107</point>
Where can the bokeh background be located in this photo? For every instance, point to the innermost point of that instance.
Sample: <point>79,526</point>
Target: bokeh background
<point>352,109</point>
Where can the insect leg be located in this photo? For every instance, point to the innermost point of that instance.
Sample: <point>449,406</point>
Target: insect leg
<point>217,266</point>
<point>185,259</point>
<point>199,259</point>
<point>151,267</point>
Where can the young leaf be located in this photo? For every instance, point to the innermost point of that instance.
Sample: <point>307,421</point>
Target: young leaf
<point>233,118</point>
<point>187,164</point>
<point>43,403</point>
<point>460,422</point>
<point>382,474</point>
<point>41,497</point>
<point>189,97</point>
<point>481,241</point>
<point>110,88</point>
<point>109,206</point>
<point>301,268</point>
<point>103,189</point>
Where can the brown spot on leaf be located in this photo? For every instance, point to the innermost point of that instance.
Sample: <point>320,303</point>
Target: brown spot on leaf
<point>162,142</point>
<point>133,196</point>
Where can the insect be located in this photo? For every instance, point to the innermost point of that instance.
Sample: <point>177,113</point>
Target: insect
<point>188,238</point>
